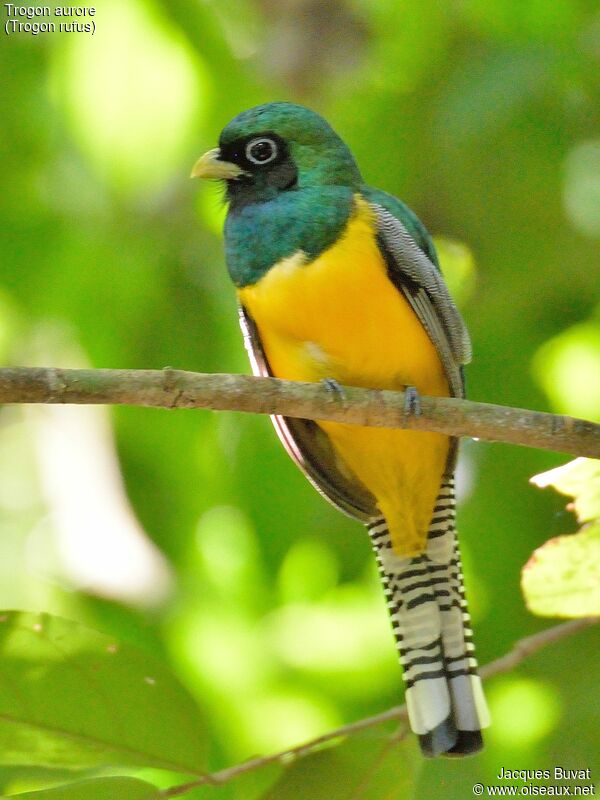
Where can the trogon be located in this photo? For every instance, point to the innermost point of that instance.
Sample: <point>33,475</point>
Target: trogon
<point>340,282</point>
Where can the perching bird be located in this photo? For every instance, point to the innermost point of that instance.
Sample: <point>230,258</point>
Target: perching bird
<point>338,281</point>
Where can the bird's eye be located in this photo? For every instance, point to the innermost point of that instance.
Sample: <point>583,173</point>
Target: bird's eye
<point>261,151</point>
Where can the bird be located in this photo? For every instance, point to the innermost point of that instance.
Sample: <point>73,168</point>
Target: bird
<point>339,282</point>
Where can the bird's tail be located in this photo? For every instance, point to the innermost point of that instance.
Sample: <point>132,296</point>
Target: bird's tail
<point>426,600</point>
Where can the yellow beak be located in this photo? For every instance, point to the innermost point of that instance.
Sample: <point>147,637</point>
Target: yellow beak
<point>210,166</point>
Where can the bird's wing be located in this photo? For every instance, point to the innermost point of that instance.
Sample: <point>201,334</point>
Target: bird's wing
<point>308,446</point>
<point>414,274</point>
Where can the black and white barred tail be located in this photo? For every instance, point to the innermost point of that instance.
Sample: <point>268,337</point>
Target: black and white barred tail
<point>426,600</point>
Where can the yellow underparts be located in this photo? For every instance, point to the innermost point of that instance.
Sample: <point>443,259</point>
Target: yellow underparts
<point>340,317</point>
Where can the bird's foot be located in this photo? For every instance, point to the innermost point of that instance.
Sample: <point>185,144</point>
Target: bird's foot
<point>412,401</point>
<point>336,389</point>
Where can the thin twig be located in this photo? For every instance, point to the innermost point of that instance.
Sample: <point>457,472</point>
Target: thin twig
<point>530,645</point>
<point>171,388</point>
<point>523,649</point>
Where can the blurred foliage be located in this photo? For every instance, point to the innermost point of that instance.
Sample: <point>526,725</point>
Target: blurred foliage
<point>484,117</point>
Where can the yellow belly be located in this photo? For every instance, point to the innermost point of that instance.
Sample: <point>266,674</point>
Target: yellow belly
<point>340,317</point>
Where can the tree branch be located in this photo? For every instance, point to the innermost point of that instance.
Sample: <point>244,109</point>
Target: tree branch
<point>522,650</point>
<point>171,388</point>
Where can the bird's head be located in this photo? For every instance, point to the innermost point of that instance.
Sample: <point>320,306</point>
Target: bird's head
<point>274,148</point>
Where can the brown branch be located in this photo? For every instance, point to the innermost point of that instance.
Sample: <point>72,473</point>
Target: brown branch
<point>522,650</point>
<point>171,388</point>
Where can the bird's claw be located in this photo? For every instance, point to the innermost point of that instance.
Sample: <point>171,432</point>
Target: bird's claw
<point>336,389</point>
<point>412,401</point>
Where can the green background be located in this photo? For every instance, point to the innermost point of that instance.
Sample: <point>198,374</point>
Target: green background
<point>484,118</point>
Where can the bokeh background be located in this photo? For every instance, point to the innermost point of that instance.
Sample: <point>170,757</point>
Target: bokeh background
<point>189,533</point>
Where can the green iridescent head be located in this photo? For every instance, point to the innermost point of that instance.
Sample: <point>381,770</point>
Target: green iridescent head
<point>274,148</point>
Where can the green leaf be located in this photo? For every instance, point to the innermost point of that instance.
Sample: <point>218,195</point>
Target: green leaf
<point>371,766</point>
<point>97,789</point>
<point>562,578</point>
<point>73,697</point>
<point>579,479</point>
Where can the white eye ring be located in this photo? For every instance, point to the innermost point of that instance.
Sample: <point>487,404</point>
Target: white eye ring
<point>261,140</point>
